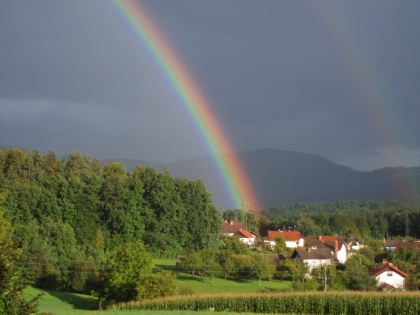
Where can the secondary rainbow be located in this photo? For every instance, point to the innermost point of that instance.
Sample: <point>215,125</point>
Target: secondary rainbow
<point>232,172</point>
<point>379,106</point>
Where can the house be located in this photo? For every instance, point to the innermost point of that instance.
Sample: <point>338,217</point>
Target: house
<point>293,239</point>
<point>237,229</point>
<point>321,251</point>
<point>389,277</point>
<point>352,244</point>
<point>314,257</point>
<point>245,237</point>
<point>391,245</point>
<point>337,244</point>
<point>231,227</point>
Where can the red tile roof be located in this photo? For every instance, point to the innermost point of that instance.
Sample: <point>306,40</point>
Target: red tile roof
<point>389,267</point>
<point>289,236</point>
<point>229,227</point>
<point>245,233</point>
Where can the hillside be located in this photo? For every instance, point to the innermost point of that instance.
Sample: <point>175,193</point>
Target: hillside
<point>282,177</point>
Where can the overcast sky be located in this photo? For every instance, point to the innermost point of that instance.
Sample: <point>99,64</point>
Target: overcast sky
<point>336,78</point>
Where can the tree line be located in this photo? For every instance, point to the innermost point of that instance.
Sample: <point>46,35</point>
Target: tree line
<point>364,220</point>
<point>68,212</point>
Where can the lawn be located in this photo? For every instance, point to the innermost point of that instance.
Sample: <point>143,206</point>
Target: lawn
<point>59,303</point>
<point>200,284</point>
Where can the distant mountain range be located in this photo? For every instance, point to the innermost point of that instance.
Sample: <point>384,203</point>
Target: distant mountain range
<point>283,177</point>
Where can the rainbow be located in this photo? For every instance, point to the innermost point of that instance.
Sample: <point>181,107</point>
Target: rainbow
<point>234,177</point>
<point>379,107</point>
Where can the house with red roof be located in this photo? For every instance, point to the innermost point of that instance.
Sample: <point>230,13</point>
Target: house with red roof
<point>237,229</point>
<point>229,228</point>
<point>293,239</point>
<point>245,237</point>
<point>389,277</point>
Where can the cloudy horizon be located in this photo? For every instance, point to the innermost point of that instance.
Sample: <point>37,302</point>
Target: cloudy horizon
<point>337,79</point>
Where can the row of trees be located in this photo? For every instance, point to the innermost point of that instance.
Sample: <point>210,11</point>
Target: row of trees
<point>362,219</point>
<point>68,213</point>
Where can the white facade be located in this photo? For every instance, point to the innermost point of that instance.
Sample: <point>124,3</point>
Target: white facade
<point>342,254</point>
<point>392,278</point>
<point>316,263</point>
<point>289,244</point>
<point>248,241</point>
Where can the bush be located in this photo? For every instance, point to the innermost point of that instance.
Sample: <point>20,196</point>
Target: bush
<point>160,284</point>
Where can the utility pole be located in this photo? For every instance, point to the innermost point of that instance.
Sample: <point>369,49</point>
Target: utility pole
<point>244,213</point>
<point>325,278</point>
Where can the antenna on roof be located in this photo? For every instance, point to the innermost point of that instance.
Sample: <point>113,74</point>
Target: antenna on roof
<point>244,213</point>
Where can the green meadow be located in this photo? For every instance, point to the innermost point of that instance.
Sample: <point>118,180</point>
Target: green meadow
<point>60,303</point>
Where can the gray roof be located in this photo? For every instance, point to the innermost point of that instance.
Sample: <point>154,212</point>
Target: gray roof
<point>316,254</point>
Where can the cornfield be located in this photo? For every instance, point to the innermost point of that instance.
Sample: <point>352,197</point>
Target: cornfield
<point>373,303</point>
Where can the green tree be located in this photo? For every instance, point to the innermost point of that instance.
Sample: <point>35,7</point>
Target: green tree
<point>360,279</point>
<point>160,284</point>
<point>281,247</point>
<point>209,265</point>
<point>191,262</point>
<point>123,269</point>
<point>233,245</point>
<point>294,269</point>
<point>337,279</point>
<point>12,301</point>
<point>262,267</point>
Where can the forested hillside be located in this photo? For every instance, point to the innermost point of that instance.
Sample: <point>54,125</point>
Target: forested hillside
<point>67,212</point>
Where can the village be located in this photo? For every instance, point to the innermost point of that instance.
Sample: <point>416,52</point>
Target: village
<point>321,251</point>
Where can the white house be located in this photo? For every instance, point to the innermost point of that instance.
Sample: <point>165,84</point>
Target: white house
<point>338,244</point>
<point>389,275</point>
<point>237,229</point>
<point>314,258</point>
<point>292,239</point>
<point>245,237</point>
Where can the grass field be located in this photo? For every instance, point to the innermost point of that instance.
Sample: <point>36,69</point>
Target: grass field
<point>59,303</point>
<point>233,285</point>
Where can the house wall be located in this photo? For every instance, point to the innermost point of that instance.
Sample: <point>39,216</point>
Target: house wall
<point>342,255</point>
<point>316,263</point>
<point>289,244</point>
<point>247,241</point>
<point>392,278</point>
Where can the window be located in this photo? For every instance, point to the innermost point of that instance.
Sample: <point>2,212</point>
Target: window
<point>389,274</point>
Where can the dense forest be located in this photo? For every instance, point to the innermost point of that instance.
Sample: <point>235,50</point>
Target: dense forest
<point>69,213</point>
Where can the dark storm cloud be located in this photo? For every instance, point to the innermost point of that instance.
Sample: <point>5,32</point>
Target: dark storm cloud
<point>286,75</point>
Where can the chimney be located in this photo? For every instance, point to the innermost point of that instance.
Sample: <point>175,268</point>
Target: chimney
<point>231,222</point>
